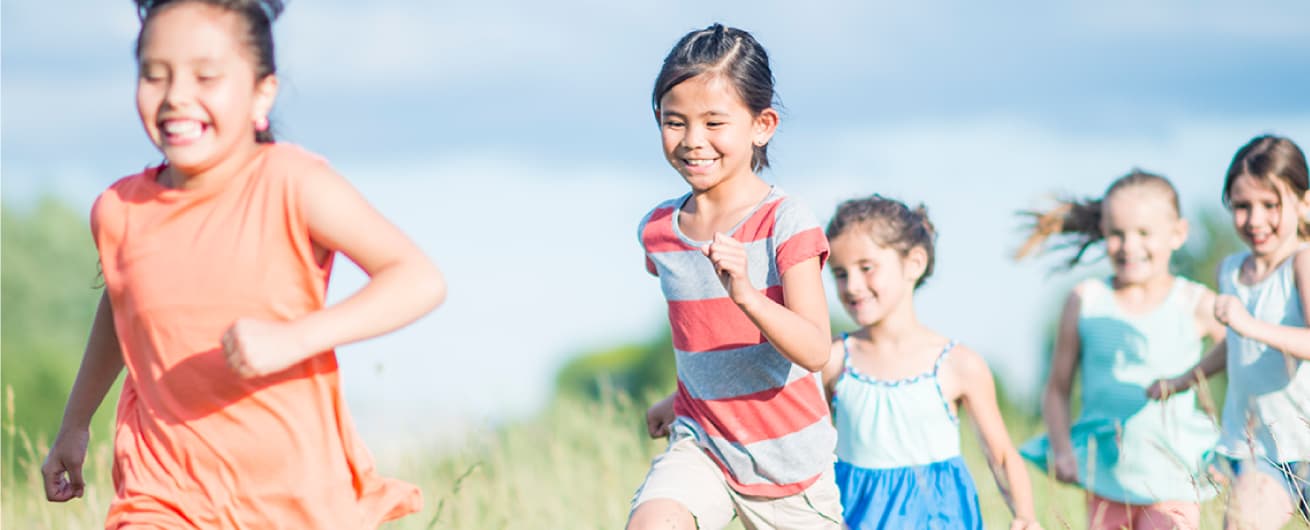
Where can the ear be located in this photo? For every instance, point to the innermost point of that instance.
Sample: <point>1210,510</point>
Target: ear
<point>764,125</point>
<point>1181,229</point>
<point>265,94</point>
<point>915,263</point>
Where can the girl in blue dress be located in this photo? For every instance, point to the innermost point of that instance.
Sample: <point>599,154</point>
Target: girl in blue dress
<point>896,386</point>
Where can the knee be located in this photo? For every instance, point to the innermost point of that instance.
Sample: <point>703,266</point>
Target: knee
<point>661,514</point>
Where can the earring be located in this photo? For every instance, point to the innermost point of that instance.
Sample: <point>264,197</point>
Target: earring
<point>261,123</point>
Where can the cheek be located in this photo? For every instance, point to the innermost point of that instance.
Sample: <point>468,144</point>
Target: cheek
<point>669,139</point>
<point>1113,245</point>
<point>1240,218</point>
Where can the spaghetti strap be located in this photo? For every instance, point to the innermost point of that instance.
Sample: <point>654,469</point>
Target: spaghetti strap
<point>942,357</point>
<point>845,352</point>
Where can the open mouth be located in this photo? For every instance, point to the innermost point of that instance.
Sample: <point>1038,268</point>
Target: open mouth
<point>182,131</point>
<point>698,163</point>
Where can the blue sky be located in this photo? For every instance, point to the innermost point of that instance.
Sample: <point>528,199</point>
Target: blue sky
<point>514,142</point>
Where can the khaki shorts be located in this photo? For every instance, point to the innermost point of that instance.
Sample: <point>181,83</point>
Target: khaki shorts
<point>685,474</point>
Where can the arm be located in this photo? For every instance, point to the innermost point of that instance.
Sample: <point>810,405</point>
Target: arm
<point>833,368</point>
<point>800,329</point>
<point>1214,361</point>
<point>1291,340</point>
<point>101,363</point>
<point>403,283</point>
<point>978,398</point>
<point>660,416</point>
<point>1055,400</point>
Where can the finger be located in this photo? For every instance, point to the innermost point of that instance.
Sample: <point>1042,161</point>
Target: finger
<point>706,249</point>
<point>76,483</point>
<point>53,480</point>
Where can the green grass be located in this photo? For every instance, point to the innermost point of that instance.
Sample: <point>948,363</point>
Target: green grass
<point>575,466</point>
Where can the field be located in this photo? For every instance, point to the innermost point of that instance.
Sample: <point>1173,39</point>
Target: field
<point>573,467</point>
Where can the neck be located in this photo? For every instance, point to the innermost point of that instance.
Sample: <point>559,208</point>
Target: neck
<point>898,327</point>
<point>1159,282</point>
<point>1265,262</point>
<point>731,194</point>
<point>224,168</point>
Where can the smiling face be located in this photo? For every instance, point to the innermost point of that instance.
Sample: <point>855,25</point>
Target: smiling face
<point>196,92</point>
<point>708,131</point>
<point>1266,214</point>
<point>1142,230</point>
<point>872,280</point>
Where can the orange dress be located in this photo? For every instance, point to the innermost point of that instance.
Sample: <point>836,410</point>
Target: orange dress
<point>196,445</point>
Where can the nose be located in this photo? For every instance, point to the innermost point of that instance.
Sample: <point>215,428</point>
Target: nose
<point>179,91</point>
<point>1259,215</point>
<point>851,284</point>
<point>693,137</point>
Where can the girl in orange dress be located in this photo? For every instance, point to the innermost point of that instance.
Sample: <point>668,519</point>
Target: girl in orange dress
<point>216,266</point>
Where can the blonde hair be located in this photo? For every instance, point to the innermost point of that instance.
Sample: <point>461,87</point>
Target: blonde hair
<point>1081,218</point>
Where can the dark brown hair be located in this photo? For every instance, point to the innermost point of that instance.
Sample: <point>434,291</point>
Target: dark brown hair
<point>258,15</point>
<point>730,53</point>
<point>1271,159</point>
<point>891,224</point>
<point>1081,218</point>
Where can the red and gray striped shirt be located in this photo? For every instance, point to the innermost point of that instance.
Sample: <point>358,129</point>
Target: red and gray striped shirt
<point>761,417</point>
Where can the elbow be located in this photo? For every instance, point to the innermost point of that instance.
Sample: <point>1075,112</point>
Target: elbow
<point>430,286</point>
<point>817,359</point>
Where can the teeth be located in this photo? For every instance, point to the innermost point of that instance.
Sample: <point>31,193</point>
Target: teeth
<point>699,163</point>
<point>182,128</point>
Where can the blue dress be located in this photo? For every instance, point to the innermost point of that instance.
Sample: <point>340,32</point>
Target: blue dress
<point>898,453</point>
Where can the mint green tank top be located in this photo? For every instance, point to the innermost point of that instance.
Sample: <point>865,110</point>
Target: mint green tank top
<point>1131,449</point>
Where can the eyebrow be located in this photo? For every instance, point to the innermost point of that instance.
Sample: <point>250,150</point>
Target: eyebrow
<point>706,113</point>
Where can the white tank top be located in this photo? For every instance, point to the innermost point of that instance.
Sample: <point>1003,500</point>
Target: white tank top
<point>1267,408</point>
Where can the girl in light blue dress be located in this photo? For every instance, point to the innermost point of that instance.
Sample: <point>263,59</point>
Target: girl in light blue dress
<point>896,386</point>
<point>1142,461</point>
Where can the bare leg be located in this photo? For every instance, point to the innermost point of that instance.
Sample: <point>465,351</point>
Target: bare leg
<point>661,514</point>
<point>1258,502</point>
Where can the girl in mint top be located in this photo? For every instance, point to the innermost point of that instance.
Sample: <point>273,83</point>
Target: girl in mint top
<point>1265,297</point>
<point>896,386</point>
<point>1142,461</point>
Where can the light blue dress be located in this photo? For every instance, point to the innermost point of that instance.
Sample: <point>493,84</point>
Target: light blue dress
<point>1131,449</point>
<point>898,453</point>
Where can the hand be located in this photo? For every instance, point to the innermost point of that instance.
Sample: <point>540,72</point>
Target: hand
<point>62,470</point>
<point>1025,524</point>
<point>659,417</point>
<point>1065,467</point>
<point>1164,388</point>
<point>729,258</point>
<point>1231,312</point>
<point>255,348</point>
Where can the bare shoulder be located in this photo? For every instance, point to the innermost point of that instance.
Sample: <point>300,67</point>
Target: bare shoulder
<point>1301,263</point>
<point>1301,274</point>
<point>1076,295</point>
<point>963,373</point>
<point>966,363</point>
